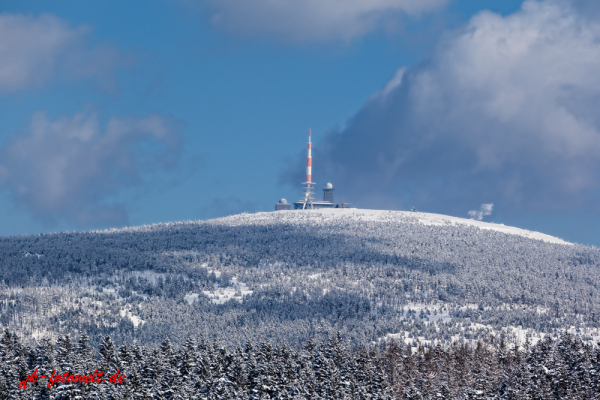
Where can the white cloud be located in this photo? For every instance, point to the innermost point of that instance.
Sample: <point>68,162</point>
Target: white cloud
<point>34,49</point>
<point>484,210</point>
<point>68,168</point>
<point>311,20</point>
<point>505,108</point>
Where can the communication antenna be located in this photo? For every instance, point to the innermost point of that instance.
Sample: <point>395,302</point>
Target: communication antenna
<point>308,185</point>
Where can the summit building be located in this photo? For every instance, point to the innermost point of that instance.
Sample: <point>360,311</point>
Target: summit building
<point>308,202</point>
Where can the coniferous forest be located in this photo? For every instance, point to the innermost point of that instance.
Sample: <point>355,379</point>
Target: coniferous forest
<point>202,369</point>
<point>315,305</point>
<point>287,276</point>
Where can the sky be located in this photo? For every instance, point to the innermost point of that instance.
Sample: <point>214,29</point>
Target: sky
<point>119,114</point>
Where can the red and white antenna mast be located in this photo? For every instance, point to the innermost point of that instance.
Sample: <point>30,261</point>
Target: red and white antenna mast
<point>309,161</point>
<point>308,185</point>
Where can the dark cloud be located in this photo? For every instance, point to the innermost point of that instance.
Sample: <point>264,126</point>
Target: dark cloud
<point>505,111</point>
<point>70,168</point>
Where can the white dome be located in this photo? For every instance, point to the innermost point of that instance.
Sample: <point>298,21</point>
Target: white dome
<point>329,186</point>
<point>283,201</point>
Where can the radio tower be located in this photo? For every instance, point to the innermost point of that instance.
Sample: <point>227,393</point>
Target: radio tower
<point>308,185</point>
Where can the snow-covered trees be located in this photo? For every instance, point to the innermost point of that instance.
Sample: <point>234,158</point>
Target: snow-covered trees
<point>288,276</point>
<point>552,369</point>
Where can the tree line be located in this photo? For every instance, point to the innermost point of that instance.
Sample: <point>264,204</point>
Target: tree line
<point>201,368</point>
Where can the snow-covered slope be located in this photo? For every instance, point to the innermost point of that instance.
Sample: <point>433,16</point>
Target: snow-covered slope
<point>398,216</point>
<point>288,275</point>
<point>438,219</point>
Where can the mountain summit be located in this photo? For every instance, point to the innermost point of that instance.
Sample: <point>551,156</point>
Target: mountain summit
<point>290,275</point>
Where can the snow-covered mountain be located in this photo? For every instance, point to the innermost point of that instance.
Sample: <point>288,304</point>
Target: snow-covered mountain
<point>288,275</point>
<point>402,217</point>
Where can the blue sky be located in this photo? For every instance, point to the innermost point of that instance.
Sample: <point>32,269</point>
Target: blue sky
<point>128,113</point>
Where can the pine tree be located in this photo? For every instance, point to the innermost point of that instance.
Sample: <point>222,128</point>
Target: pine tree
<point>235,373</point>
<point>64,347</point>
<point>167,372</point>
<point>108,361</point>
